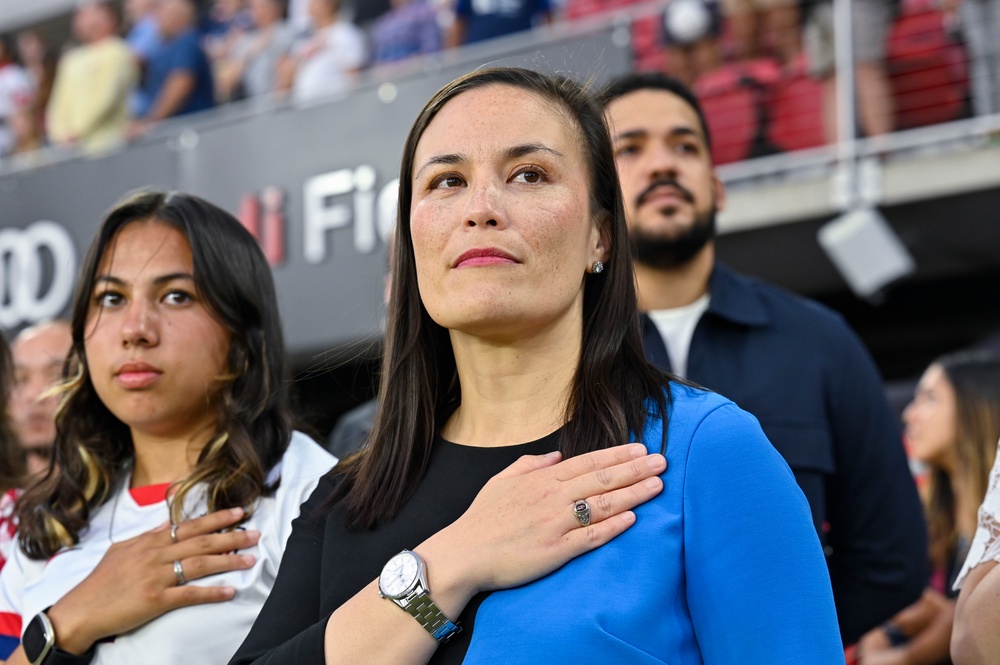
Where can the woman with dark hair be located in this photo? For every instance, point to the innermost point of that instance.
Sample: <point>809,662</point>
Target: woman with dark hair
<point>500,464</point>
<point>952,426</point>
<point>176,473</point>
<point>12,459</point>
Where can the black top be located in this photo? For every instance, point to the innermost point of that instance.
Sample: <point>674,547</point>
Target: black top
<point>326,563</point>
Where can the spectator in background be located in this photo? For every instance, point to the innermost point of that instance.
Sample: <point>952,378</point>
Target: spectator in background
<point>11,459</point>
<point>478,20</point>
<point>980,21</point>
<point>178,77</point>
<point>327,60</point>
<point>226,23</point>
<point>89,104</point>
<point>251,68</point>
<point>952,426</point>
<point>143,38</point>
<point>875,106</point>
<point>40,62</point>
<point>793,364</point>
<point>364,13</point>
<point>16,92</point>
<point>410,28</point>
<point>764,27</point>
<point>39,353</point>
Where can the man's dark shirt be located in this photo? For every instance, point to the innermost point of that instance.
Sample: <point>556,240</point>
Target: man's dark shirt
<point>807,378</point>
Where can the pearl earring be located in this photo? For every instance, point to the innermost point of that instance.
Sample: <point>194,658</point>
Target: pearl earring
<point>598,267</point>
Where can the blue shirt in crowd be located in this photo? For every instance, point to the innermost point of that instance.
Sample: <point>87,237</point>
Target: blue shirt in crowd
<point>181,54</point>
<point>486,19</point>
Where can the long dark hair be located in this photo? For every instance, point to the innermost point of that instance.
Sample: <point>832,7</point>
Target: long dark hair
<point>93,449</point>
<point>975,378</point>
<point>12,469</point>
<point>614,389</point>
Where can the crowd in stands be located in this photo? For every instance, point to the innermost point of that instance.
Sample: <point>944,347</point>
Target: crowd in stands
<point>764,68</point>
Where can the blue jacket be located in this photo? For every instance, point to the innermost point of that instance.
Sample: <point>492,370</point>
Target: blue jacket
<point>803,373</point>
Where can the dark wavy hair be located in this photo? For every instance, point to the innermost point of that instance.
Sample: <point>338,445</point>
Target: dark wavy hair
<point>12,469</point>
<point>93,449</point>
<point>614,390</point>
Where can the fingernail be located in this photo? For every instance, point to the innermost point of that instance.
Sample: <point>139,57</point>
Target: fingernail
<point>655,461</point>
<point>228,592</point>
<point>653,483</point>
<point>248,559</point>
<point>555,454</point>
<point>628,517</point>
<point>237,511</point>
<point>253,535</point>
<point>638,450</point>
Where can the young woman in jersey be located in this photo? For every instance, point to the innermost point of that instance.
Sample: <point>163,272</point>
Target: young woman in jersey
<point>952,426</point>
<point>176,473</point>
<point>513,382</point>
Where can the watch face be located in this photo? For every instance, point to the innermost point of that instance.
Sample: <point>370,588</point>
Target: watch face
<point>399,575</point>
<point>37,638</point>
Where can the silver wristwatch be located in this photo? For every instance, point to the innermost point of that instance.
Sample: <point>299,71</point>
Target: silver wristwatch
<point>404,582</point>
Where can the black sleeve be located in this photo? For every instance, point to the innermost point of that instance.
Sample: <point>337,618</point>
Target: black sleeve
<point>289,628</point>
<point>877,530</point>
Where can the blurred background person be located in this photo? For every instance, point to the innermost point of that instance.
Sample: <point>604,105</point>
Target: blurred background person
<point>16,91</point>
<point>39,353</point>
<point>952,426</point>
<point>178,78</point>
<point>40,62</point>
<point>89,104</point>
<point>327,60</point>
<point>251,68</point>
<point>478,20</point>
<point>410,28</point>
<point>11,458</point>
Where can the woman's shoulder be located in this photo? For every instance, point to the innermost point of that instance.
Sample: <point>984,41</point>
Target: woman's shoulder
<point>304,461</point>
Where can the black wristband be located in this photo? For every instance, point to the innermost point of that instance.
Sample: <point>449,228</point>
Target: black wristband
<point>895,634</point>
<point>59,657</point>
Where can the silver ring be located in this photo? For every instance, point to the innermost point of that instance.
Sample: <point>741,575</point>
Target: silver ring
<point>179,573</point>
<point>173,533</point>
<point>581,509</point>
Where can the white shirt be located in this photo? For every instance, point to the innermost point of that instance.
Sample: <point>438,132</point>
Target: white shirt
<point>208,634</point>
<point>16,92</point>
<point>676,326</point>
<point>327,60</point>
<point>986,543</point>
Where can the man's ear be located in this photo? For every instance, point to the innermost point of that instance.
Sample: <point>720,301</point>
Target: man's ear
<point>720,192</point>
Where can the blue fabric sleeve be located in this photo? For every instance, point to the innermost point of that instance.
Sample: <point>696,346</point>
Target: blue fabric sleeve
<point>757,584</point>
<point>185,55</point>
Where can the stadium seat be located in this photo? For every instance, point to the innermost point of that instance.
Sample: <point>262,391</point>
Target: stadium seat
<point>795,110</point>
<point>928,71</point>
<point>732,98</point>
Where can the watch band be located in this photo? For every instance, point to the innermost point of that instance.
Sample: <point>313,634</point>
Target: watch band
<point>48,653</point>
<point>427,614</point>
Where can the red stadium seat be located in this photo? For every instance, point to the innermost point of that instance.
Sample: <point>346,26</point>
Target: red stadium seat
<point>927,70</point>
<point>732,100</point>
<point>795,110</point>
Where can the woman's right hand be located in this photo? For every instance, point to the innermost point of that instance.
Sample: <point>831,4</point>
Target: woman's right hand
<point>135,581</point>
<point>521,525</point>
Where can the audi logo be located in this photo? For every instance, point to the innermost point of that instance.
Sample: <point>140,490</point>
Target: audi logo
<point>27,256</point>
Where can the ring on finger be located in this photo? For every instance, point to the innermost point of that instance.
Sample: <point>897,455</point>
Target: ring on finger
<point>173,533</point>
<point>581,510</point>
<point>179,573</point>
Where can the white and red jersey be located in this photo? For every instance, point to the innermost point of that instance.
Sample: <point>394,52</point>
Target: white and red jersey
<point>8,524</point>
<point>208,634</point>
